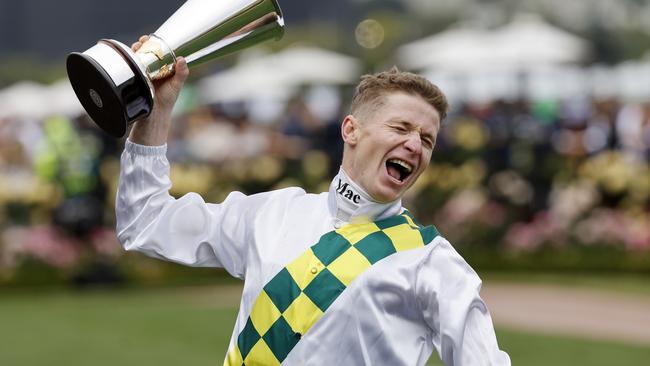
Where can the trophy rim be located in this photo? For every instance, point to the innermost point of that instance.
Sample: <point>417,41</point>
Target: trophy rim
<point>82,70</point>
<point>113,107</point>
<point>132,60</point>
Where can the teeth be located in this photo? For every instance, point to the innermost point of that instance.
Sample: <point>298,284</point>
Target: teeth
<point>402,163</point>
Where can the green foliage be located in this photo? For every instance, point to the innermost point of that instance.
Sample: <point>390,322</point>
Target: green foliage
<point>33,273</point>
<point>571,259</point>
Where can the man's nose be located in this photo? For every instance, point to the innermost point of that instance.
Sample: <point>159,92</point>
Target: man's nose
<point>413,143</point>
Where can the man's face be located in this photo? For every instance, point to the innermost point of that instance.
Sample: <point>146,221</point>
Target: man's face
<point>387,149</point>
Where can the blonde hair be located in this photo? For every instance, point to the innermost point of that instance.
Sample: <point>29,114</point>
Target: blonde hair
<point>373,87</point>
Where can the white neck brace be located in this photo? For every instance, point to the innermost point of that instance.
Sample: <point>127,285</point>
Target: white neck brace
<point>347,200</point>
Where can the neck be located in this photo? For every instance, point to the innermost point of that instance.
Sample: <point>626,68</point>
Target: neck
<point>349,201</point>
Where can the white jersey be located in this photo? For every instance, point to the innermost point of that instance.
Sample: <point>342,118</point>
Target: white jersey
<point>397,312</point>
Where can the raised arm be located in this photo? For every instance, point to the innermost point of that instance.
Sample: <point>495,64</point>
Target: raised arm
<point>186,230</point>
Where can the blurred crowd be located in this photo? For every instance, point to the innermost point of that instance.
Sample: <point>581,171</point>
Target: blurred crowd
<point>553,173</point>
<point>515,176</point>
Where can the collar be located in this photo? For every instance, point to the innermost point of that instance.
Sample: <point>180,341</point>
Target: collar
<point>347,201</point>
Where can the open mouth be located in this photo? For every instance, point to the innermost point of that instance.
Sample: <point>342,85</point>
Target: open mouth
<point>398,169</point>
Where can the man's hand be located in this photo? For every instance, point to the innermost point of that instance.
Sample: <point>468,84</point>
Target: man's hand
<point>154,129</point>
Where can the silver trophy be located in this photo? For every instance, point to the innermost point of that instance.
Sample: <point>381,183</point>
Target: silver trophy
<point>115,84</point>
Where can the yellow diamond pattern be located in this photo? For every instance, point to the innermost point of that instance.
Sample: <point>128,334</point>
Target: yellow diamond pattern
<point>354,233</point>
<point>302,268</point>
<point>261,355</point>
<point>303,313</point>
<point>349,265</point>
<point>403,237</point>
<point>264,313</point>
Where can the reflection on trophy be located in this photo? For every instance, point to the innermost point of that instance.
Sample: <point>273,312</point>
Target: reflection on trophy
<point>114,84</point>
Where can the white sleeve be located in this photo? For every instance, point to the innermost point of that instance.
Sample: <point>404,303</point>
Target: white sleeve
<point>447,290</point>
<point>186,230</point>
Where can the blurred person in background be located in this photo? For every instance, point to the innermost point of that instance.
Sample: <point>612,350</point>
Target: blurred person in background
<point>345,277</point>
<point>70,157</point>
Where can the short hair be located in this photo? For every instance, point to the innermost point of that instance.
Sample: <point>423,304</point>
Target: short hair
<point>373,87</point>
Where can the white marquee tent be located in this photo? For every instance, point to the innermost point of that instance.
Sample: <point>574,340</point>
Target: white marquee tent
<point>278,75</point>
<point>29,99</point>
<point>526,42</point>
<point>529,42</point>
<point>460,47</point>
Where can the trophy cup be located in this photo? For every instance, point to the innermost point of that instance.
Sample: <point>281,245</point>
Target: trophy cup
<point>115,84</point>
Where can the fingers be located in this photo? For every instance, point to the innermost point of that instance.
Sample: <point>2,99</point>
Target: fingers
<point>181,71</point>
<point>181,67</point>
<point>136,46</point>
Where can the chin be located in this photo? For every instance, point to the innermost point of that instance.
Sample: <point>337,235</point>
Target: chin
<point>385,197</point>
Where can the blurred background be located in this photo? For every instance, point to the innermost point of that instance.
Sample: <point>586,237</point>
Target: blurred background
<point>540,177</point>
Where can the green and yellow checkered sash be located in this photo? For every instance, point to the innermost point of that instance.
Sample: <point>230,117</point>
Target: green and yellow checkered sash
<point>292,301</point>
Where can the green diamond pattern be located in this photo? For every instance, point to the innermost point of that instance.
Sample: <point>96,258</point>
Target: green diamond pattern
<point>428,233</point>
<point>390,222</point>
<point>375,246</point>
<point>282,290</point>
<point>324,289</point>
<point>247,338</point>
<point>330,247</point>
<point>281,338</point>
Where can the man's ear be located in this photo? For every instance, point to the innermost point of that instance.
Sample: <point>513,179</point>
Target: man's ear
<point>350,130</point>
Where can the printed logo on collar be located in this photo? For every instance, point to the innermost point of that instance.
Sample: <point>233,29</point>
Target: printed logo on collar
<point>345,190</point>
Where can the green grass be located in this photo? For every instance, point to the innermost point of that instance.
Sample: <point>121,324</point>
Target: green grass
<point>527,349</point>
<point>169,327</point>
<point>542,350</point>
<point>192,326</point>
<point>636,284</point>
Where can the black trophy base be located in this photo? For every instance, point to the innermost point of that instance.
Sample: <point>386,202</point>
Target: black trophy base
<point>112,107</point>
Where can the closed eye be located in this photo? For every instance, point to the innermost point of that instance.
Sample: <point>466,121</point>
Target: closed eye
<point>428,142</point>
<point>398,128</point>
